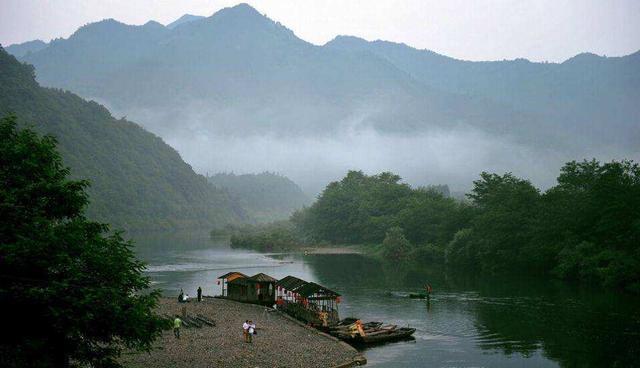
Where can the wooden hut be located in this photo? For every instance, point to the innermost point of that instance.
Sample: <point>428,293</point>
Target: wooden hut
<point>258,289</point>
<point>308,301</point>
<point>225,279</point>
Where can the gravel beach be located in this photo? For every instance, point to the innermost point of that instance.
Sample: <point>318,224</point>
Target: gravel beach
<point>280,341</point>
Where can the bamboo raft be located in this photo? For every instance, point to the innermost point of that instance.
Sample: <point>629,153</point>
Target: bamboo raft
<point>193,321</point>
<point>372,332</point>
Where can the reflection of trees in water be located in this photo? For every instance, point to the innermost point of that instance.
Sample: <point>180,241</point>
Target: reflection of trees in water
<point>152,244</point>
<point>577,330</point>
<point>354,270</point>
<point>575,327</point>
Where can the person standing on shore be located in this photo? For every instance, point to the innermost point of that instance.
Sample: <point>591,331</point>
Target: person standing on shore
<point>245,331</point>
<point>199,293</point>
<point>181,296</point>
<point>252,330</point>
<point>177,323</point>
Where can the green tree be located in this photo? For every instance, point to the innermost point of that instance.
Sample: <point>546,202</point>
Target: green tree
<point>504,223</point>
<point>70,292</point>
<point>592,220</point>
<point>395,246</point>
<point>357,209</point>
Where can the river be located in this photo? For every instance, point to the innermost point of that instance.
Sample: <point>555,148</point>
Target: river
<point>471,321</point>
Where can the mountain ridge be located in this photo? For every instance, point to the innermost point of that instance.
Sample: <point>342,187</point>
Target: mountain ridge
<point>239,78</point>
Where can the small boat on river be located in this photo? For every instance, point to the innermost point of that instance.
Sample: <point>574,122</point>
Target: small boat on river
<point>369,333</point>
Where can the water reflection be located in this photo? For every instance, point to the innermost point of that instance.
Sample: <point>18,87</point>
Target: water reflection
<point>471,321</point>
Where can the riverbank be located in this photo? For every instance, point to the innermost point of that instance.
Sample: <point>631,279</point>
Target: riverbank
<point>347,249</point>
<point>280,341</point>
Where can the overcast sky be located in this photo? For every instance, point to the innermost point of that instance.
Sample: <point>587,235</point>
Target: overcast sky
<point>539,30</point>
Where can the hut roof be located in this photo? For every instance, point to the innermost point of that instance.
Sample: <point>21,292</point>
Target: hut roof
<point>290,283</point>
<point>304,288</point>
<point>311,288</point>
<point>226,275</point>
<point>262,277</point>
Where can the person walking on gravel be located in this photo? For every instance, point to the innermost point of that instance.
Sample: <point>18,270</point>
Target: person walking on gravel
<point>245,331</point>
<point>177,323</point>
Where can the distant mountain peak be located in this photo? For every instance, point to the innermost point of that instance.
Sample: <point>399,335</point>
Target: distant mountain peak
<point>240,11</point>
<point>244,19</point>
<point>584,57</point>
<point>187,18</point>
<point>153,24</point>
<point>345,39</point>
<point>21,49</point>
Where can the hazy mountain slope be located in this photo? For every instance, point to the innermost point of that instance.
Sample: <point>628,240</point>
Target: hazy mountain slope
<point>589,94</point>
<point>183,19</point>
<point>137,181</point>
<point>21,49</point>
<point>242,72</point>
<point>266,196</point>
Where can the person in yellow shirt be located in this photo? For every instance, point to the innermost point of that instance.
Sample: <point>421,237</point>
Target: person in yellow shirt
<point>177,323</point>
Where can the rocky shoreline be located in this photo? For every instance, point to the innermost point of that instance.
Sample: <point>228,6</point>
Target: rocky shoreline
<point>280,341</point>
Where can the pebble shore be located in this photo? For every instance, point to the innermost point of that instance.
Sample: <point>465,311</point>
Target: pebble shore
<point>280,341</point>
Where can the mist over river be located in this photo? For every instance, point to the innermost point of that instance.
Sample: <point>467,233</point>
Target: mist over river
<point>471,321</point>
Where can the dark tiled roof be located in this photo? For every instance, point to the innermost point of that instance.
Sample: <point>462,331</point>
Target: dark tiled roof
<point>311,288</point>
<point>304,288</point>
<point>290,283</point>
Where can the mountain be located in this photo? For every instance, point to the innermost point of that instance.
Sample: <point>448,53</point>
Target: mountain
<point>183,19</point>
<point>137,181</point>
<point>22,49</point>
<point>267,196</point>
<point>239,91</point>
<point>239,68</point>
<point>590,94</point>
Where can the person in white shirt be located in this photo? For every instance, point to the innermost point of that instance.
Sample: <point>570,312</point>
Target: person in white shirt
<point>245,331</point>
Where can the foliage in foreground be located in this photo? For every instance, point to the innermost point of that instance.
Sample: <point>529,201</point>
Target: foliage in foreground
<point>70,292</point>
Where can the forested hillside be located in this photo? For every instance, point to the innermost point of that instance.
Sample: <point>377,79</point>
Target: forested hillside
<point>266,196</point>
<point>137,181</point>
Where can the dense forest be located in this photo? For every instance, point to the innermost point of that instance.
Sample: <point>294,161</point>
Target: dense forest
<point>585,228</point>
<point>265,196</point>
<point>137,180</point>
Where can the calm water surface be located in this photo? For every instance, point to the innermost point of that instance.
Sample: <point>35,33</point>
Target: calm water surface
<point>471,321</point>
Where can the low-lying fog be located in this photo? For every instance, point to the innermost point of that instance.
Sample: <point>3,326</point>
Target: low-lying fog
<point>313,157</point>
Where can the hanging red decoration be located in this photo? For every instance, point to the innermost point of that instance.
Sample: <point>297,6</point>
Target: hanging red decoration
<point>218,282</point>
<point>338,300</point>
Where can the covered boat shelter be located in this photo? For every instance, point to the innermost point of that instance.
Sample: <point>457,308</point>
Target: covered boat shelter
<point>308,301</point>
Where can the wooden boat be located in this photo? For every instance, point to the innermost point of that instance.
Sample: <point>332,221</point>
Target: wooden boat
<point>345,326</point>
<point>386,336</point>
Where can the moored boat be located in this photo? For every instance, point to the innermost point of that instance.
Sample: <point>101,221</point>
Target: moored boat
<point>387,336</point>
<point>370,333</point>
